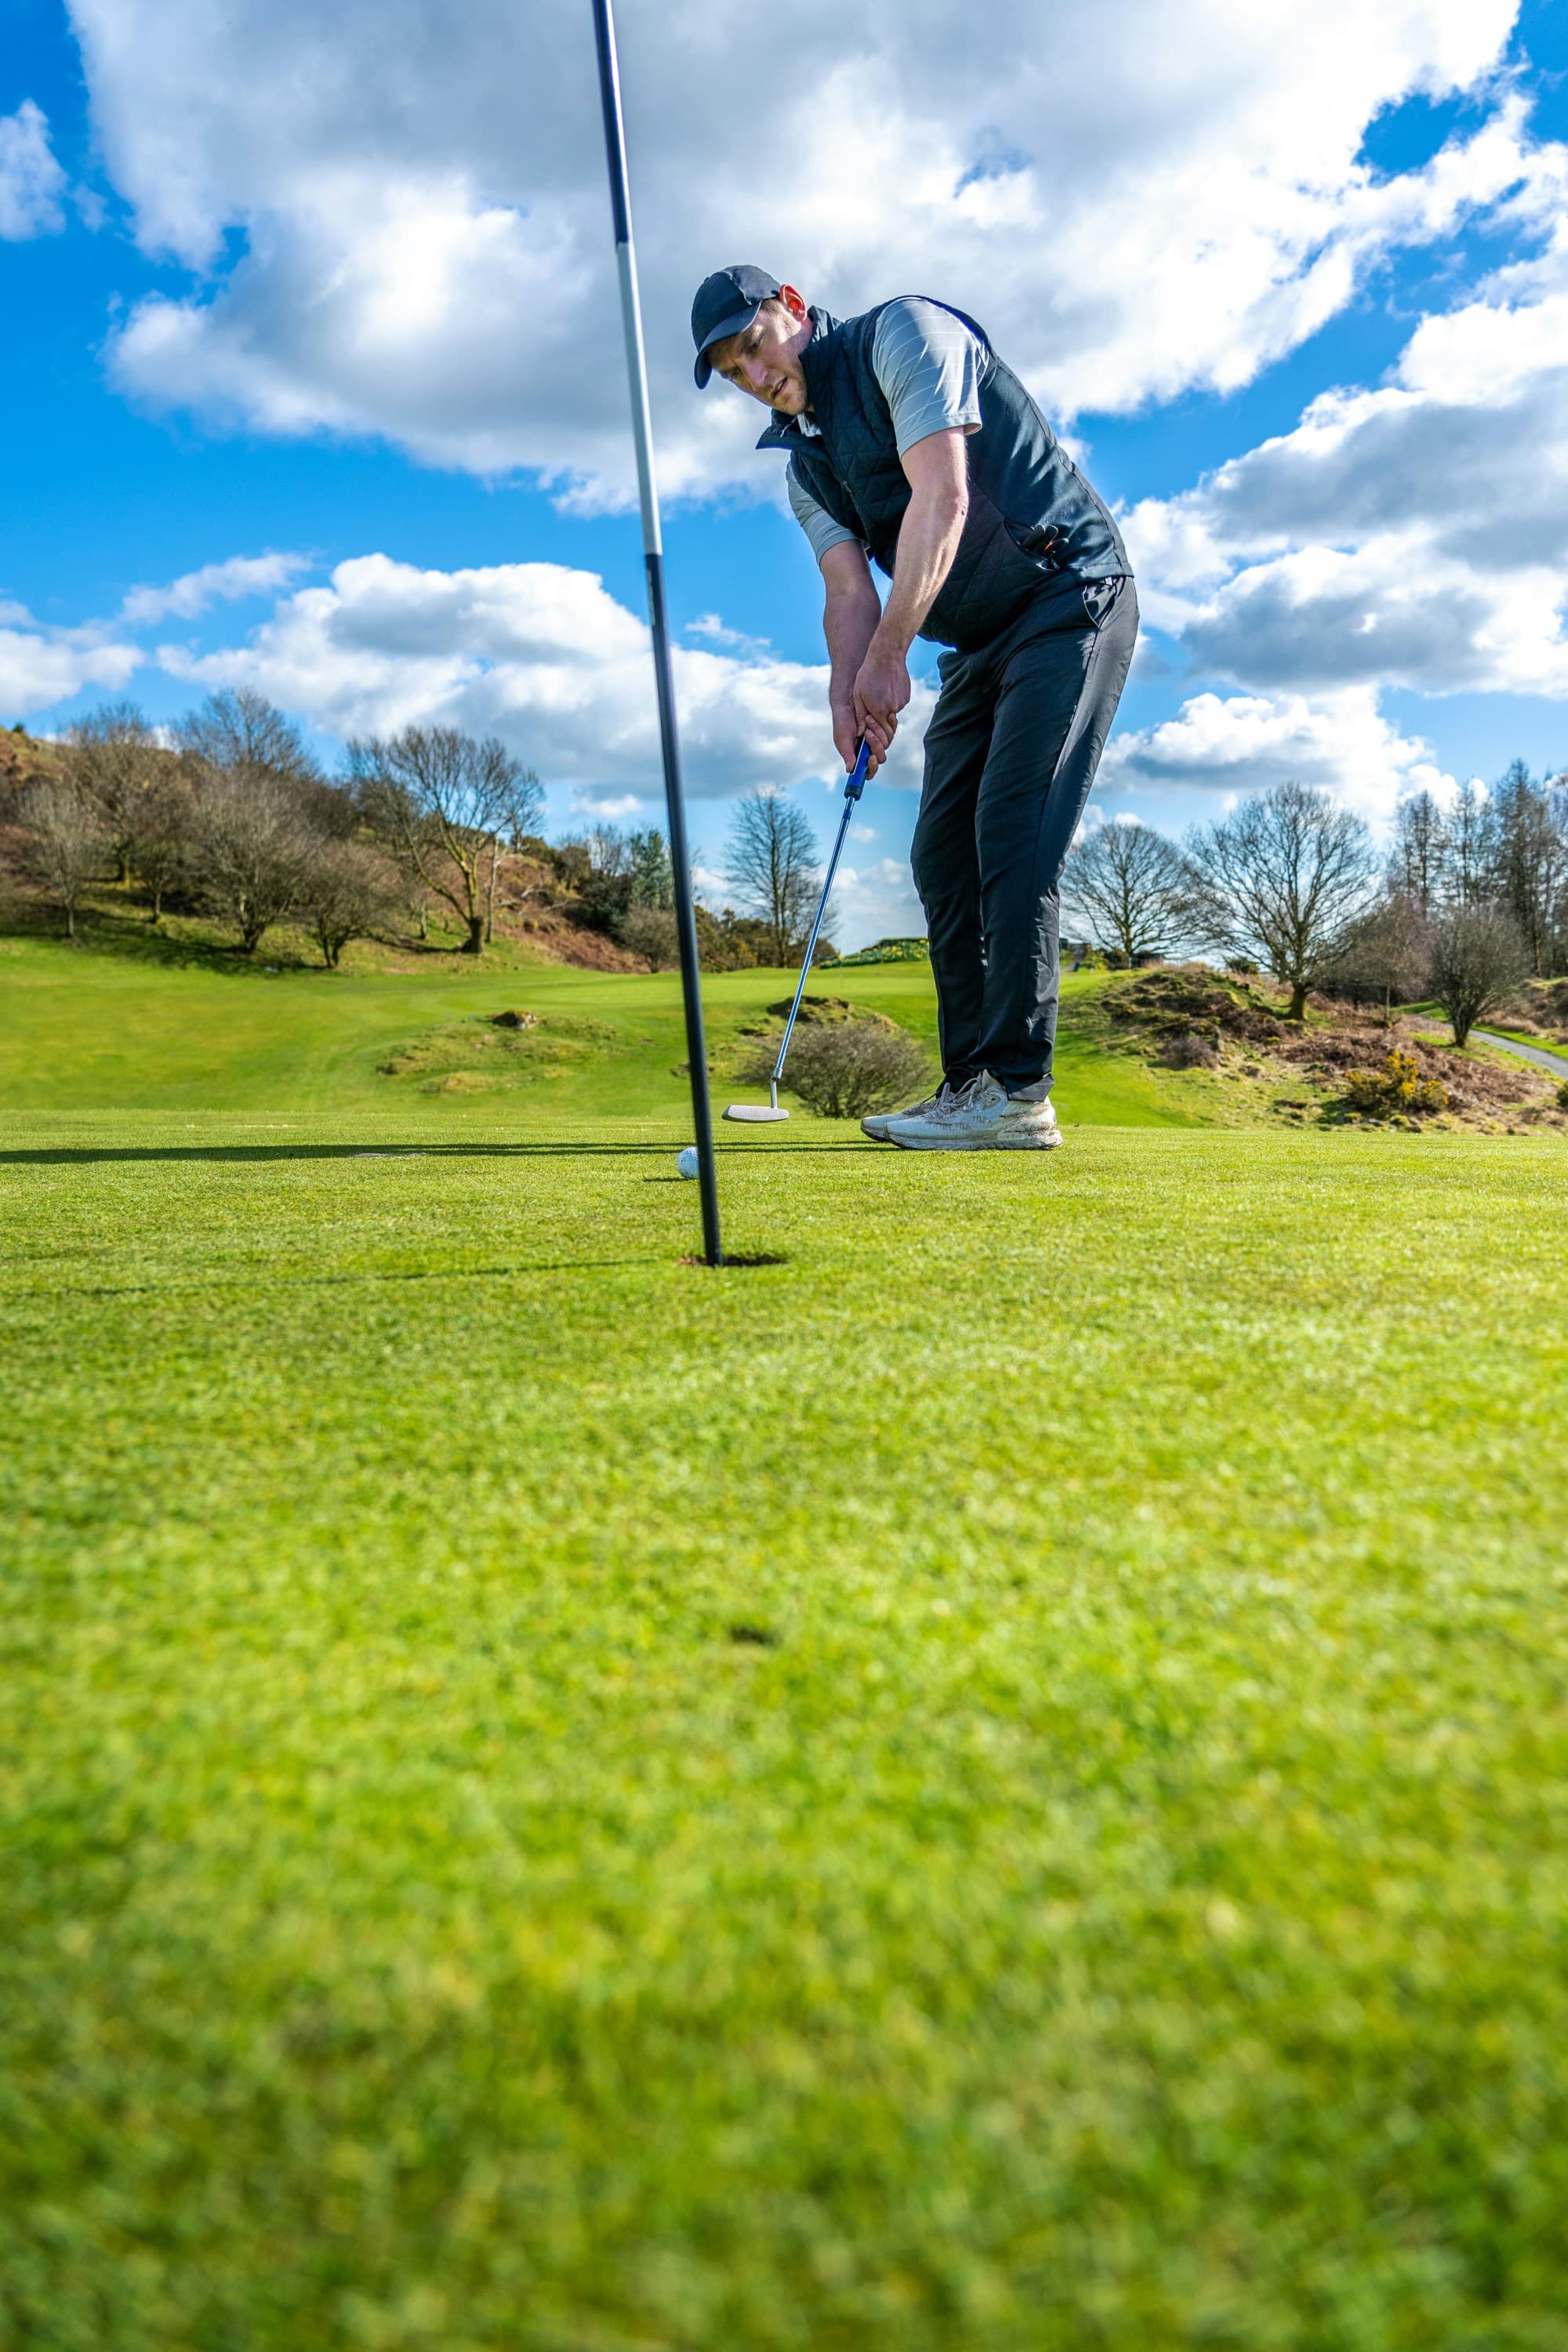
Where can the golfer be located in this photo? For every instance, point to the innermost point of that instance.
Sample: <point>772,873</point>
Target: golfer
<point>911,443</point>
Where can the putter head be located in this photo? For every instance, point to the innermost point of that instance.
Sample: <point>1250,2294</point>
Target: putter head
<point>755,1114</point>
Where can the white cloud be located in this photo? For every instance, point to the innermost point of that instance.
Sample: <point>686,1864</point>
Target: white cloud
<point>425,246</point>
<point>39,667</point>
<point>239,576</point>
<point>876,901</point>
<point>30,180</point>
<point>544,656</point>
<point>1239,743</point>
<point>1415,534</point>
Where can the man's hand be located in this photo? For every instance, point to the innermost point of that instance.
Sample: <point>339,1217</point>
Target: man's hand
<point>846,736</point>
<point>881,691</point>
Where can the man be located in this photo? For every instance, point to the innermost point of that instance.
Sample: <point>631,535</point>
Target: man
<point>913,444</point>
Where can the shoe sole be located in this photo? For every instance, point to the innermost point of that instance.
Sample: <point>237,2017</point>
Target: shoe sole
<point>1046,1142</point>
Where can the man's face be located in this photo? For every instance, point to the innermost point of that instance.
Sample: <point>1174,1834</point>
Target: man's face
<point>764,359</point>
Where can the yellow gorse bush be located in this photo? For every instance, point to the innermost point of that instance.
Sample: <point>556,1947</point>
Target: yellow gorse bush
<point>1398,1087</point>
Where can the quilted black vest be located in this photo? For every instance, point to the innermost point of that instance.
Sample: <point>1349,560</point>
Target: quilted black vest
<point>1032,516</point>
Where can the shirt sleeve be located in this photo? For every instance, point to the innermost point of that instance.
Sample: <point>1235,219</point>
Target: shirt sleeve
<point>814,521</point>
<point>928,365</point>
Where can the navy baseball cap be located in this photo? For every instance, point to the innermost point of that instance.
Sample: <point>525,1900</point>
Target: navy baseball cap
<point>727,301</point>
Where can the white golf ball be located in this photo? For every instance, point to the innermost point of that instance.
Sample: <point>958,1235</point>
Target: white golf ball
<point>687,1161</point>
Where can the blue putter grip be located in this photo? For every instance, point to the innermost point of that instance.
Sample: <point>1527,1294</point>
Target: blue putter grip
<point>856,783</point>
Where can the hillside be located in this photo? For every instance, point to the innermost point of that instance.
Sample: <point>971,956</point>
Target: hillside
<point>134,1019</point>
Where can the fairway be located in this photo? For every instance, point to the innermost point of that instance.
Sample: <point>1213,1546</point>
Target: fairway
<point>140,1023</point>
<point>997,1782</point>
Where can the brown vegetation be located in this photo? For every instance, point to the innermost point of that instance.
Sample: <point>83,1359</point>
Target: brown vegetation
<point>1338,1061</point>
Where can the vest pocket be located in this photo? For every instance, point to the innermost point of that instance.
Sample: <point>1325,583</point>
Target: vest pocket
<point>1099,600</point>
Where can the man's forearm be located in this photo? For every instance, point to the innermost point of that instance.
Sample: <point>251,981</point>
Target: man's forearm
<point>928,541</point>
<point>850,622</point>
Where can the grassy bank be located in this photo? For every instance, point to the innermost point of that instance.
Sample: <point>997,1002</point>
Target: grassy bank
<point>996,1783</point>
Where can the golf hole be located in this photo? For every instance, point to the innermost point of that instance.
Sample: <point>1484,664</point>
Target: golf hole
<point>737,1257</point>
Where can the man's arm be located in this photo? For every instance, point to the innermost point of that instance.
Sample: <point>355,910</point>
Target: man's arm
<point>938,473</point>
<point>849,616</point>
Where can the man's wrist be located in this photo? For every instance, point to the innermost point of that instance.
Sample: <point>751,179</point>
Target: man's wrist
<point>887,640</point>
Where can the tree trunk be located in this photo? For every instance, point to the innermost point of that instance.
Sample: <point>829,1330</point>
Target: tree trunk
<point>70,921</point>
<point>475,943</point>
<point>1298,1001</point>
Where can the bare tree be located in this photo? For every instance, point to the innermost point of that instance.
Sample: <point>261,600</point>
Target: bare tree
<point>1386,956</point>
<point>252,847</point>
<point>347,892</point>
<point>1420,851</point>
<point>770,859</point>
<point>1465,876</point>
<point>66,844</point>
<point>1529,860</point>
<point>1478,957</point>
<point>1132,887</point>
<point>240,728</point>
<point>1283,877</point>
<point>444,803</point>
<point>114,756</point>
<point>158,848</point>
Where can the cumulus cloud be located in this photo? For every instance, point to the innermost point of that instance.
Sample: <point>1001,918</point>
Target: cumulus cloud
<point>185,598</point>
<point>40,666</point>
<point>1237,743</point>
<point>544,656</point>
<point>1414,534</point>
<point>31,182</point>
<point>424,235</point>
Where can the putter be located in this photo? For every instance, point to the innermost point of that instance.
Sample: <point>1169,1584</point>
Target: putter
<point>759,1113</point>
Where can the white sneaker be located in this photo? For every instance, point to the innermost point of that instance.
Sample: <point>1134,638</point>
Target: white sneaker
<point>980,1117</point>
<point>878,1122</point>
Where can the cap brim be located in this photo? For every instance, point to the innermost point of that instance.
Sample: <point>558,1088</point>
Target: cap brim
<point>731,326</point>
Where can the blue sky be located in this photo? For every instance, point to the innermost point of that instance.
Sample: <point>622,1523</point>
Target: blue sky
<point>147,295</point>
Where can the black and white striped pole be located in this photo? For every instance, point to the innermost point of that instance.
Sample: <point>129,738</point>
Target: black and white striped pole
<point>653,558</point>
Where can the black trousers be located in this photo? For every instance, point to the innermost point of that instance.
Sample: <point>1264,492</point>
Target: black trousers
<point>1010,755</point>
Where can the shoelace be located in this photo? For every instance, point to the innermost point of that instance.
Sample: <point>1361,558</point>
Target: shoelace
<point>957,1103</point>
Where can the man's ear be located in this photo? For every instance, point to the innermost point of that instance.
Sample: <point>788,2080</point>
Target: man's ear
<point>795,303</point>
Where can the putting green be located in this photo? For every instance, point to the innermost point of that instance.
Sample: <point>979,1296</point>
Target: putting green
<point>996,1783</point>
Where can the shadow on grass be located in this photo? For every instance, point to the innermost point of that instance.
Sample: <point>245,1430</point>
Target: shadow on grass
<point>444,1274</point>
<point>128,936</point>
<point>242,1154</point>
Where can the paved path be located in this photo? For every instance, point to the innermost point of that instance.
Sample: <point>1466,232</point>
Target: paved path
<point>1556,1062</point>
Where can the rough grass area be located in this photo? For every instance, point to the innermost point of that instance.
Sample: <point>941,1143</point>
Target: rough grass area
<point>1245,1065</point>
<point>998,1784</point>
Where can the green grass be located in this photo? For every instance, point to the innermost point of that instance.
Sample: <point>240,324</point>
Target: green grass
<point>1120,1902</point>
<point>128,1021</point>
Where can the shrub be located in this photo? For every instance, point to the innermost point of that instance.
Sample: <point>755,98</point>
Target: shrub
<point>845,1070</point>
<point>1189,1052</point>
<point>1562,1095</point>
<point>1243,966</point>
<point>651,931</point>
<point>1398,1087</point>
<point>889,952</point>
